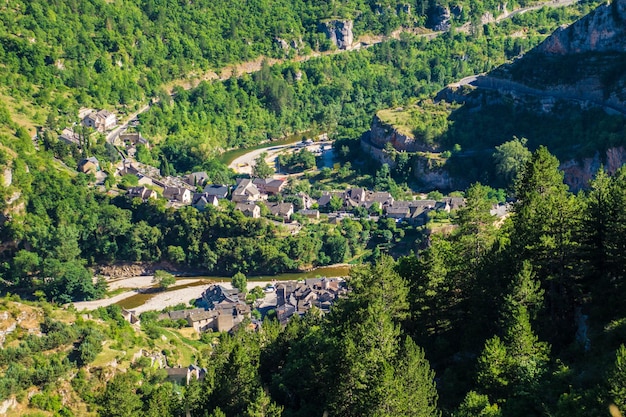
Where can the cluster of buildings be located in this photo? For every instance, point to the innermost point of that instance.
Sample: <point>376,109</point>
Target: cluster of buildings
<point>413,211</point>
<point>98,120</point>
<point>249,193</point>
<point>221,311</point>
<point>299,297</point>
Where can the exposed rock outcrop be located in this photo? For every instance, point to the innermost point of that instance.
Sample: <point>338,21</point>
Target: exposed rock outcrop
<point>339,32</point>
<point>7,178</point>
<point>579,173</point>
<point>382,133</point>
<point>429,172</point>
<point>602,30</point>
<point>440,18</point>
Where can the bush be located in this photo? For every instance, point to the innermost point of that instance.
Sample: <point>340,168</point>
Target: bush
<point>46,401</point>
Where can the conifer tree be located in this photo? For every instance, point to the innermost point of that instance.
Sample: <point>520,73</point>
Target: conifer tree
<point>546,223</point>
<point>617,380</point>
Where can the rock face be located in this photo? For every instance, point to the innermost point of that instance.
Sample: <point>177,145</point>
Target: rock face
<point>440,18</point>
<point>7,178</point>
<point>339,32</point>
<point>433,176</point>
<point>603,30</point>
<point>430,172</point>
<point>579,173</point>
<point>381,134</point>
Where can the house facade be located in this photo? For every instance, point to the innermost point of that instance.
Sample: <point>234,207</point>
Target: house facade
<point>101,121</point>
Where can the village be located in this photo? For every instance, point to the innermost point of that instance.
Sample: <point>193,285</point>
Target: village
<point>254,197</point>
<point>222,308</point>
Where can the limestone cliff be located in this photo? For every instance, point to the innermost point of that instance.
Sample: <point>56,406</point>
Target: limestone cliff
<point>603,30</point>
<point>579,173</point>
<point>339,32</point>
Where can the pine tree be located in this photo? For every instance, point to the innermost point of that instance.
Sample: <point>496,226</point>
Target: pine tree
<point>477,405</point>
<point>524,291</point>
<point>475,222</point>
<point>617,380</point>
<point>413,391</point>
<point>546,223</point>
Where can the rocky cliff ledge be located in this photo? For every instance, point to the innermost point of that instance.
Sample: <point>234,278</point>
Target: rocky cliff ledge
<point>579,173</point>
<point>603,30</point>
<point>339,32</point>
<point>400,137</point>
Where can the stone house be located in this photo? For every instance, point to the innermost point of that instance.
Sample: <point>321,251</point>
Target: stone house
<point>101,121</point>
<point>182,195</point>
<point>229,309</point>
<point>246,191</point>
<point>134,139</point>
<point>219,191</point>
<point>202,321</point>
<point>197,178</point>
<point>183,376</point>
<point>70,137</point>
<point>249,210</point>
<point>142,192</point>
<point>89,165</point>
<point>130,316</point>
<point>282,210</point>
<point>401,212</point>
<point>202,200</point>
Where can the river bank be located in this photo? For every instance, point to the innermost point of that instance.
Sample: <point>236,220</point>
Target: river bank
<point>139,293</point>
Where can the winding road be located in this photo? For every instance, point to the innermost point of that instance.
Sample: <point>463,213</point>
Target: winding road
<point>364,41</point>
<point>486,82</point>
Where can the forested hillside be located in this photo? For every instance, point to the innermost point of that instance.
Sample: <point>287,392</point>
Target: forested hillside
<point>520,315</point>
<point>119,52</point>
<point>515,318</point>
<point>336,93</point>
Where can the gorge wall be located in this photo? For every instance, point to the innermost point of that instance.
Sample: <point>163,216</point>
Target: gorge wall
<point>382,133</point>
<point>602,30</point>
<point>339,32</point>
<point>578,173</point>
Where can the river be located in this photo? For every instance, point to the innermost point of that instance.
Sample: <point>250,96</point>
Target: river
<point>184,293</point>
<point>229,156</point>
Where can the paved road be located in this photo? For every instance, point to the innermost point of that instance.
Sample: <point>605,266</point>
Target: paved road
<point>486,82</point>
<point>244,163</point>
<point>365,41</point>
<point>113,135</point>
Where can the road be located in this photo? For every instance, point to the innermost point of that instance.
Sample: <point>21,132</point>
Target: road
<point>113,135</point>
<point>486,82</point>
<point>363,42</point>
<point>244,163</point>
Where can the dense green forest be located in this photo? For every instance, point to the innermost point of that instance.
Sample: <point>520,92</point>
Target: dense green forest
<point>335,93</point>
<point>521,316</point>
<point>519,319</point>
<point>57,238</point>
<point>118,52</point>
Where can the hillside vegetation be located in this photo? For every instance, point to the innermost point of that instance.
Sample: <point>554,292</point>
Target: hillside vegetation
<point>335,93</point>
<point>517,316</point>
<point>522,319</point>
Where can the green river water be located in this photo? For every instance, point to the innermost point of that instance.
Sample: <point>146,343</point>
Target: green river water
<point>139,299</point>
